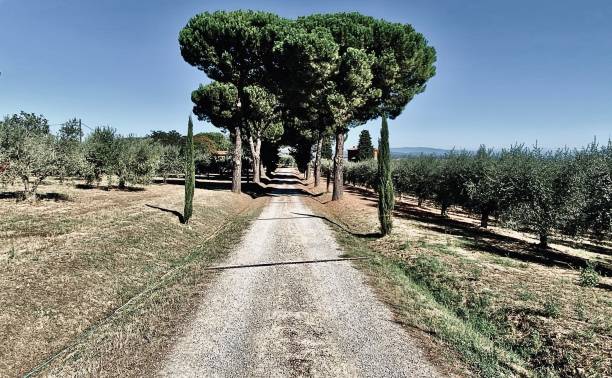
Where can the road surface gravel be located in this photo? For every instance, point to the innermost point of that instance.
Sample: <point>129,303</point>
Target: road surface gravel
<point>316,319</point>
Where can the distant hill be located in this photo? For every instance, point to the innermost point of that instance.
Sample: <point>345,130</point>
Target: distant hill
<point>412,151</point>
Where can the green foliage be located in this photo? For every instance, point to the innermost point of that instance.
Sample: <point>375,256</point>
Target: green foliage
<point>302,154</point>
<point>261,112</point>
<point>101,154</point>
<point>231,47</point>
<point>287,161</point>
<point>70,152</point>
<point>167,138</point>
<point>27,151</point>
<point>564,192</point>
<point>397,58</point>
<point>363,173</point>
<point>386,199</point>
<point>365,149</point>
<point>270,157</point>
<point>323,73</point>
<point>326,149</point>
<point>136,162</point>
<point>171,161</point>
<point>217,104</point>
<point>189,173</point>
<point>588,275</point>
<point>551,307</point>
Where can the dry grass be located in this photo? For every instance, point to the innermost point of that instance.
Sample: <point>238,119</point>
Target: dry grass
<point>67,264</point>
<point>493,296</point>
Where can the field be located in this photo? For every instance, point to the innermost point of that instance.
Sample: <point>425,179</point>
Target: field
<point>68,262</point>
<point>491,297</point>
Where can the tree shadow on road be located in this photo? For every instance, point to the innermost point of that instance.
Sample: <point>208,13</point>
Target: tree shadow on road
<point>370,235</point>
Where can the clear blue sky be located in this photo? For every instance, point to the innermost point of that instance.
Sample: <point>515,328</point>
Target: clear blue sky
<point>507,71</point>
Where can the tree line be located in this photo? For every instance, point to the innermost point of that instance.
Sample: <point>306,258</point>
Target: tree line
<point>566,191</point>
<point>31,153</point>
<point>299,82</point>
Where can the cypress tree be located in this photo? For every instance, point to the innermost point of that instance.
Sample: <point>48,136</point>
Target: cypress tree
<point>365,150</point>
<point>189,173</point>
<point>386,199</point>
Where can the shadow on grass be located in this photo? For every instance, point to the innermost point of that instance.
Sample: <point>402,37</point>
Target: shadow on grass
<point>483,240</point>
<point>252,189</point>
<point>112,187</point>
<point>601,249</point>
<point>178,214</point>
<point>52,196</point>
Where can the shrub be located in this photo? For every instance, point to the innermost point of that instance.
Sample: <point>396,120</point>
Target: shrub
<point>551,307</point>
<point>588,275</point>
<point>287,161</point>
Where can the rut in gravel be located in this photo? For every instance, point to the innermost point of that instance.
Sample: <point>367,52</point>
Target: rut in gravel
<point>292,319</point>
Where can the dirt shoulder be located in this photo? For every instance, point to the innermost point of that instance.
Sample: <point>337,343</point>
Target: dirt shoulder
<point>490,297</point>
<point>68,265</point>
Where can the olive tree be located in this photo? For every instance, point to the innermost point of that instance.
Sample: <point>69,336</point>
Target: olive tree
<point>137,161</point>
<point>485,189</point>
<point>28,152</point>
<point>70,152</point>
<point>101,154</point>
<point>594,169</point>
<point>170,161</point>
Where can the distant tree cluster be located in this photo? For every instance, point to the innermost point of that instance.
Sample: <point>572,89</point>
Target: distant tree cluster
<point>566,192</point>
<point>30,153</point>
<point>302,82</point>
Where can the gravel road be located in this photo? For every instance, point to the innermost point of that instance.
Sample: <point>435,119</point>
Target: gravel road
<point>316,319</point>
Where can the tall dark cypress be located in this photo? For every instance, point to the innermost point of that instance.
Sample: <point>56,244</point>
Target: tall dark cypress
<point>189,173</point>
<point>386,199</point>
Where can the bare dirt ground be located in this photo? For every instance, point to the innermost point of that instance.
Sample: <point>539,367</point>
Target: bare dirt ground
<point>531,298</point>
<point>308,318</point>
<point>68,261</point>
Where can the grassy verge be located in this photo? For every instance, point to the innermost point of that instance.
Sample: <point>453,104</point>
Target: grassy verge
<point>418,305</point>
<point>132,340</point>
<point>66,265</point>
<point>501,316</point>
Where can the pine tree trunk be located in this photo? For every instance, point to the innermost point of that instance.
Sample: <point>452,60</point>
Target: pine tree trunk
<point>237,164</point>
<point>317,165</point>
<point>420,202</point>
<point>189,174</point>
<point>543,239</point>
<point>255,146</point>
<point>328,180</point>
<point>338,164</point>
<point>484,219</point>
<point>386,200</point>
<point>443,209</point>
<point>261,170</point>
